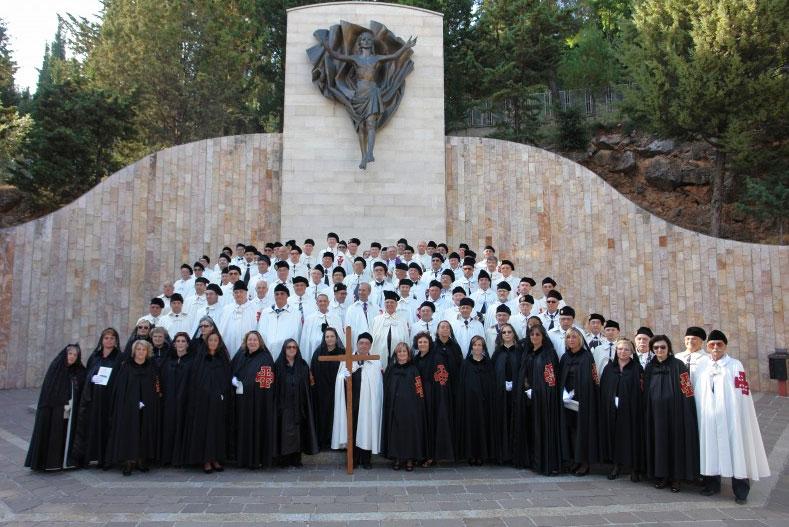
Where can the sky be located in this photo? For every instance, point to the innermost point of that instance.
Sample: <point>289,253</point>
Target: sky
<point>31,24</point>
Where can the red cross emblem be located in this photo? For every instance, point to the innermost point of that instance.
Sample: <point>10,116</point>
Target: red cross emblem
<point>441,376</point>
<point>418,385</point>
<point>685,385</point>
<point>595,375</point>
<point>549,375</point>
<point>740,382</point>
<point>265,377</point>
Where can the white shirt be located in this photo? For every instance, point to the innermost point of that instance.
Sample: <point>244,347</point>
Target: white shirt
<point>691,360</point>
<point>381,326</point>
<point>185,288</point>
<point>237,320</point>
<point>312,334</point>
<point>465,330</point>
<point>547,317</point>
<point>276,328</point>
<point>359,320</point>
<point>174,323</point>
<point>302,306</point>
<point>195,305</point>
<point>377,292</point>
<point>420,325</point>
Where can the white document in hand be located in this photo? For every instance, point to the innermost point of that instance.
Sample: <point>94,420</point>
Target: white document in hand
<point>528,393</point>
<point>102,377</point>
<point>616,402</point>
<point>568,400</point>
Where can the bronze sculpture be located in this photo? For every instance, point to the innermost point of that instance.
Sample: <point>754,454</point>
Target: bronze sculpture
<point>347,69</point>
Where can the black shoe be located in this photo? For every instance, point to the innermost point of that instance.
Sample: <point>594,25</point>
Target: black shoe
<point>614,473</point>
<point>298,464</point>
<point>583,470</point>
<point>675,486</point>
<point>396,465</point>
<point>142,468</point>
<point>127,469</point>
<point>661,484</point>
<point>635,477</point>
<point>708,492</point>
<point>220,468</point>
<point>367,466</point>
<point>740,501</point>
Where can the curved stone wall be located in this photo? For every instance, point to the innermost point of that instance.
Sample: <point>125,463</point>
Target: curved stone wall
<point>97,261</point>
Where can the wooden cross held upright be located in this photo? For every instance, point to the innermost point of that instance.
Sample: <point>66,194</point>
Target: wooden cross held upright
<point>349,359</point>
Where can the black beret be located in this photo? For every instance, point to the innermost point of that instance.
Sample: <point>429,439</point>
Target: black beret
<point>695,331</point>
<point>527,298</point>
<point>471,253</point>
<point>611,324</point>
<point>717,334</point>
<point>201,280</point>
<point>483,274</point>
<point>468,261</point>
<point>339,269</point>
<point>458,289</point>
<point>401,266</point>
<point>379,263</point>
<point>332,235</point>
<point>414,265</point>
<point>508,262</point>
<point>643,330</point>
<point>449,273</point>
<point>354,240</point>
<point>264,258</point>
<point>215,288</point>
<point>567,311</point>
<point>240,286</point>
<point>464,246</point>
<point>318,268</point>
<point>597,316</point>
<point>454,255</point>
<point>437,255</point>
<point>504,285</point>
<point>282,264</point>
<point>340,287</point>
<point>328,254</point>
<point>282,288</point>
<point>157,301</point>
<point>300,280</point>
<point>187,266</point>
<point>251,249</point>
<point>233,268</point>
<point>198,265</point>
<point>406,281</point>
<point>376,245</point>
<point>402,240</point>
<point>360,259</point>
<point>309,241</point>
<point>490,248</point>
<point>428,303</point>
<point>434,283</point>
<point>176,297</point>
<point>549,280</point>
<point>466,301</point>
<point>365,336</point>
<point>391,295</point>
<point>553,293</point>
<point>529,280</point>
<point>502,308</point>
<point>297,249</point>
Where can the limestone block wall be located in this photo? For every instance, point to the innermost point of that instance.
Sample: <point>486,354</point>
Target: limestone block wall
<point>404,188</point>
<point>97,262</point>
<point>554,217</point>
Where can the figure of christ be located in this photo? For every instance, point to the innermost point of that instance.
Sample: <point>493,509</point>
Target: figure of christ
<point>367,97</point>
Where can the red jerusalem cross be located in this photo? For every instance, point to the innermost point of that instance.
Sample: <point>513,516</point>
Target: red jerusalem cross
<point>740,382</point>
<point>265,377</point>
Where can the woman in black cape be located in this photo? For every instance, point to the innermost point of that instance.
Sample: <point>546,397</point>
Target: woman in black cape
<point>142,331</point>
<point>93,420</point>
<point>437,382</point>
<point>403,426</point>
<point>579,387</point>
<point>208,407</point>
<point>254,416</point>
<point>162,344</point>
<point>205,327</point>
<point>506,364</point>
<point>671,427</point>
<point>536,441</point>
<point>622,412</point>
<point>53,432</point>
<point>447,345</point>
<point>474,405</point>
<point>136,419</point>
<point>174,374</point>
<point>325,374</point>
<point>295,418</point>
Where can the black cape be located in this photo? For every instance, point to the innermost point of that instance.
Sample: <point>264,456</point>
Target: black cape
<point>577,371</point>
<point>325,375</point>
<point>536,438</point>
<point>621,435</point>
<point>93,422</point>
<point>132,339</point>
<point>53,433</point>
<point>208,409</point>
<point>255,411</point>
<point>136,413</point>
<point>403,427</point>
<point>506,365</point>
<point>454,357</point>
<point>159,354</point>
<point>437,383</point>
<point>670,428</point>
<point>474,409</point>
<point>295,417</point>
<point>174,375</point>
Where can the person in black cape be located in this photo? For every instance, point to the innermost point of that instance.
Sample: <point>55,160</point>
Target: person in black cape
<point>437,383</point>
<point>208,409</point>
<point>174,375</point>
<point>135,421</point>
<point>403,419</point>
<point>447,345</point>
<point>474,405</point>
<point>325,375</point>
<point>93,420</point>
<point>579,386</point>
<point>205,327</point>
<point>295,418</point>
<point>142,331</point>
<point>536,439</point>
<point>53,432</point>
<point>671,433</point>
<point>506,364</point>
<point>162,344</point>
<point>254,432</point>
<point>622,412</point>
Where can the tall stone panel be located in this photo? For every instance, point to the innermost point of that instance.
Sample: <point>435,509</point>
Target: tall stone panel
<point>403,191</point>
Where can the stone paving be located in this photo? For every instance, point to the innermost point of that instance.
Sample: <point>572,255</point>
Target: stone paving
<point>322,494</point>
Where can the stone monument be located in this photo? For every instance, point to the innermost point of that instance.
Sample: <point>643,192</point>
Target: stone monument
<point>404,189</point>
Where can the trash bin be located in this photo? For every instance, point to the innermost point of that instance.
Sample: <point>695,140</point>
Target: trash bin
<point>777,363</point>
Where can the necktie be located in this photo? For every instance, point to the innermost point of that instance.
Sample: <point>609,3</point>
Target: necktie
<point>246,276</point>
<point>427,327</point>
<point>326,278</point>
<point>466,323</point>
<point>550,327</point>
<point>379,284</point>
<point>364,308</point>
<point>356,290</point>
<point>594,343</point>
<point>316,292</point>
<point>278,310</point>
<point>610,351</point>
<point>301,310</point>
<point>389,341</point>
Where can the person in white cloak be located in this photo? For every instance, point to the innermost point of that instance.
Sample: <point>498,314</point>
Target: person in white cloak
<point>185,286</point>
<point>214,307</point>
<point>694,347</point>
<point>154,311</point>
<point>389,328</point>
<point>360,314</point>
<point>370,385</point>
<point>238,318</point>
<point>177,319</point>
<point>467,326</point>
<point>195,304</point>
<point>729,438</point>
<point>340,303</point>
<point>279,322</point>
<point>314,326</point>
<point>427,322</point>
<point>520,320</point>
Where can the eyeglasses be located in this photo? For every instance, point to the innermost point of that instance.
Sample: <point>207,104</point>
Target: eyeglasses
<point>291,346</point>
<point>205,325</point>
<point>660,347</point>
<point>551,301</point>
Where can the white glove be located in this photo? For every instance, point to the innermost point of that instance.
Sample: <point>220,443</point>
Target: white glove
<point>529,393</point>
<point>346,373</point>
<point>616,402</point>
<point>96,379</point>
<point>142,405</point>
<point>239,388</point>
<point>568,396</point>
<point>508,385</point>
<point>66,411</point>
<point>234,381</point>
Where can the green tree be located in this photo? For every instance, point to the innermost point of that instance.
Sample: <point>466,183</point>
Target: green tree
<point>590,61</point>
<point>708,69</point>
<point>8,95</point>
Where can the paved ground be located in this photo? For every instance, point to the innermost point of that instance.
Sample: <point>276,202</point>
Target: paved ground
<point>322,494</point>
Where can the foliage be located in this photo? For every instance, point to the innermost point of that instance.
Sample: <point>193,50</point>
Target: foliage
<point>573,132</point>
<point>589,62</point>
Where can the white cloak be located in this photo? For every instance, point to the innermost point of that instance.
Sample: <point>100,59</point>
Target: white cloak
<point>276,328</point>
<point>236,321</point>
<point>311,334</point>
<point>401,332</point>
<point>371,398</point>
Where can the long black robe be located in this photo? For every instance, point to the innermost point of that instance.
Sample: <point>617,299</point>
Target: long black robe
<point>159,354</point>
<point>404,423</point>
<point>537,443</point>
<point>174,375</point>
<point>454,357</point>
<point>325,375</point>
<point>671,428</point>
<point>93,422</point>
<point>208,409</point>
<point>53,434</point>
<point>134,428</point>
<point>577,371</point>
<point>474,409</point>
<point>506,364</point>
<point>255,411</point>
<point>295,417</point>
<point>437,383</point>
<point>621,428</point>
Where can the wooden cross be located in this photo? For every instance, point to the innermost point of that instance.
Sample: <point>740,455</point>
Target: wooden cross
<point>349,359</point>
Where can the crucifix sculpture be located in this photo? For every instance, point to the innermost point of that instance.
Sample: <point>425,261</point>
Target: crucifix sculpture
<point>349,359</point>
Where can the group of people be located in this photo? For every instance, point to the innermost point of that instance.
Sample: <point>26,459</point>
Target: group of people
<point>470,367</point>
